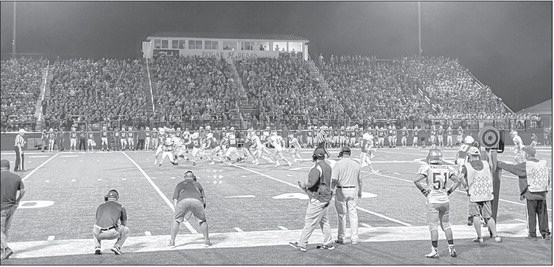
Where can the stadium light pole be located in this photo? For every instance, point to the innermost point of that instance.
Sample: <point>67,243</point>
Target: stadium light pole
<point>14,28</point>
<point>419,26</point>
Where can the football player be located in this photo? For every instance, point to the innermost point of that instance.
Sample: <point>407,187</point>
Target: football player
<point>168,147</point>
<point>294,147</point>
<point>449,136</point>
<point>277,142</point>
<point>436,176</point>
<point>131,139</point>
<point>440,136</point>
<point>415,132</point>
<point>432,135</point>
<point>404,139</point>
<point>518,145</point>
<point>367,151</point>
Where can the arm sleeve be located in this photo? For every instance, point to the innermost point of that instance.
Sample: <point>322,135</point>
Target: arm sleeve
<point>517,169</point>
<point>313,177</point>
<point>123,217</point>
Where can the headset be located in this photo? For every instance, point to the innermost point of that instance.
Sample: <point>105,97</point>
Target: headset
<point>191,175</point>
<point>108,195</point>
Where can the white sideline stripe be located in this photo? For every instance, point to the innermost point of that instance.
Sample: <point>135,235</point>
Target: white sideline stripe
<point>186,223</point>
<point>296,186</point>
<point>39,166</point>
<point>365,225</point>
<point>245,196</point>
<point>283,228</point>
<point>520,220</point>
<point>51,237</point>
<point>38,156</point>
<point>135,244</point>
<point>384,217</point>
<point>147,233</point>
<point>238,229</point>
<point>458,191</point>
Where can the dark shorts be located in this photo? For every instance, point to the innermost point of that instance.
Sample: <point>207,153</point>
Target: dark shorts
<point>189,205</point>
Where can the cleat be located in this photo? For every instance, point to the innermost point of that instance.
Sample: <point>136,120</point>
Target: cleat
<point>97,252</point>
<point>452,252</point>
<point>339,241</point>
<point>7,253</point>
<point>355,242</point>
<point>478,240</point>
<point>498,239</point>
<point>207,243</point>
<point>327,247</point>
<point>171,244</point>
<point>116,250</point>
<point>434,254</point>
<point>532,237</point>
<point>296,245</point>
<point>547,236</point>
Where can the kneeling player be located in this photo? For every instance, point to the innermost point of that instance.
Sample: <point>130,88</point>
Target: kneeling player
<point>438,207</point>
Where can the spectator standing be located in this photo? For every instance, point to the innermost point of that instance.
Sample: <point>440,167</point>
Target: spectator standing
<point>111,223</point>
<point>60,139</point>
<point>12,189</point>
<point>347,179</point>
<point>19,157</point>
<point>44,139</point>
<point>534,181</point>
<point>189,196</point>
<point>320,194</point>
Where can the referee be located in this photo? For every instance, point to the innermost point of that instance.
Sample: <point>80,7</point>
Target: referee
<point>19,158</point>
<point>320,140</point>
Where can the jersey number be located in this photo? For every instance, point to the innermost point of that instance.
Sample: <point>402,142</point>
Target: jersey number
<point>439,180</point>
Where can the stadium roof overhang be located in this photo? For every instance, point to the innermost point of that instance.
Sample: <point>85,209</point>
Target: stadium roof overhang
<point>245,36</point>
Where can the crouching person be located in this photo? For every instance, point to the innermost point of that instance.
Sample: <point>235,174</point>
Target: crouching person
<point>111,223</point>
<point>189,197</point>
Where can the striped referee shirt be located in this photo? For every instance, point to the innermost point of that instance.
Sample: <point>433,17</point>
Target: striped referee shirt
<point>19,141</point>
<point>319,138</point>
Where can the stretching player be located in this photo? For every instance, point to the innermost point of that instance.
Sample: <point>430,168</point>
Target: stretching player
<point>438,207</point>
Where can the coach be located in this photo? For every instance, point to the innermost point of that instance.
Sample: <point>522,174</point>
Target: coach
<point>189,197</point>
<point>111,223</point>
<point>533,184</point>
<point>347,179</point>
<point>12,190</point>
<point>19,157</point>
<point>320,194</point>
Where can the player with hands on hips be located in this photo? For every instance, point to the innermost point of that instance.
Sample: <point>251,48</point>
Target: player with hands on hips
<point>436,175</point>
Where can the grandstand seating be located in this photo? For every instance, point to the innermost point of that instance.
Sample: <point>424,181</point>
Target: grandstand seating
<point>21,80</point>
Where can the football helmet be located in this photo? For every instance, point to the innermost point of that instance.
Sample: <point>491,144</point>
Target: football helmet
<point>473,151</point>
<point>434,156</point>
<point>469,140</point>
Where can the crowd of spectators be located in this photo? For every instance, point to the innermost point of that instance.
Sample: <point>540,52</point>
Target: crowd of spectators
<point>20,83</point>
<point>194,88</point>
<point>371,90</point>
<point>97,90</point>
<point>283,89</point>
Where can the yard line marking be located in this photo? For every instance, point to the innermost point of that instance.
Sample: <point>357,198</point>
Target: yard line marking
<point>238,229</point>
<point>265,175</point>
<point>186,223</point>
<point>296,186</point>
<point>69,156</point>
<point>39,166</point>
<point>38,156</point>
<point>366,225</point>
<point>245,196</point>
<point>47,181</point>
<point>282,228</point>
<point>73,180</point>
<point>384,217</point>
<point>147,233</point>
<point>519,220</point>
<point>51,237</point>
<point>99,179</point>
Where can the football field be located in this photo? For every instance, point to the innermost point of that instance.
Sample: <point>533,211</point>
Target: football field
<point>252,211</point>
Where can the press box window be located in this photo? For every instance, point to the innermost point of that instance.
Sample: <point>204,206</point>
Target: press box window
<point>182,44</point>
<point>174,44</point>
<point>157,43</point>
<point>194,44</point>
<point>229,45</point>
<point>165,43</point>
<point>211,44</point>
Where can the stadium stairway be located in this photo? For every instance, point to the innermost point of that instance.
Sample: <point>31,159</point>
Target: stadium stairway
<point>44,95</point>
<point>149,88</point>
<point>314,71</point>
<point>245,108</point>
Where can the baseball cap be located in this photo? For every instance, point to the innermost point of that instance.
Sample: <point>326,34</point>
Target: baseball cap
<point>530,151</point>
<point>345,149</point>
<point>473,151</point>
<point>112,194</point>
<point>5,163</point>
<point>319,153</point>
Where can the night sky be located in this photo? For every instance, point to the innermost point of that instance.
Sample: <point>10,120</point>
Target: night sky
<point>506,45</point>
